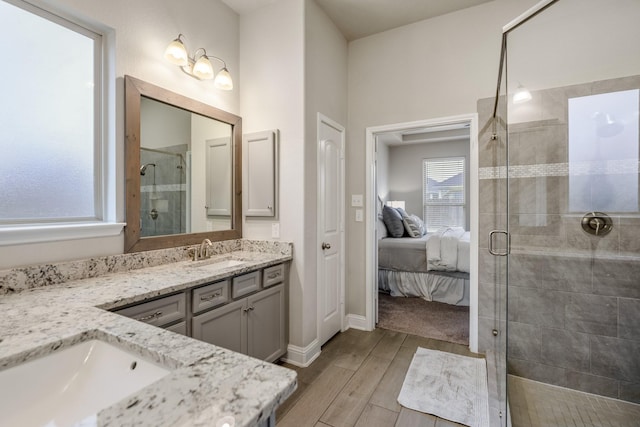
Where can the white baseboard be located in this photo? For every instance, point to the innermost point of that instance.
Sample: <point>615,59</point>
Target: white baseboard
<point>302,356</point>
<point>356,321</point>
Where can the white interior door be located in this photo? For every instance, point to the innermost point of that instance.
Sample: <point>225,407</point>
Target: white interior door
<point>330,228</point>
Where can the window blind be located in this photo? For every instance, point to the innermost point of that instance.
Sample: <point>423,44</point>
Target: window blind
<point>444,192</point>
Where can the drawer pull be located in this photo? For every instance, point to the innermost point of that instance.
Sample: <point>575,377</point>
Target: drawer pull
<point>273,275</point>
<point>210,297</point>
<point>149,317</point>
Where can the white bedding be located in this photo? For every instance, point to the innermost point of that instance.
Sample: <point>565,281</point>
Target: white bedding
<point>464,253</point>
<point>448,250</point>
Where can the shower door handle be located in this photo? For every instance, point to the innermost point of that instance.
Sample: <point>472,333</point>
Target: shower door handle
<point>493,251</point>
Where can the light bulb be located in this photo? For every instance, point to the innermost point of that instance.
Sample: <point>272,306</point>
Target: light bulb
<point>223,80</point>
<point>521,95</point>
<point>203,69</point>
<point>176,53</point>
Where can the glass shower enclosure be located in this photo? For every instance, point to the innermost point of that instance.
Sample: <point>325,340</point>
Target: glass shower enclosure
<point>164,190</point>
<point>559,203</point>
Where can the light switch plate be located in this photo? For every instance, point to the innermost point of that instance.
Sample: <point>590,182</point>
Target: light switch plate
<point>356,200</point>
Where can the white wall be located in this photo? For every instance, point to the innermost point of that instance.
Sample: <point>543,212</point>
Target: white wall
<point>325,92</point>
<point>272,97</point>
<point>434,68</point>
<point>162,125</point>
<point>573,42</point>
<point>293,63</point>
<point>405,171</point>
<point>142,30</point>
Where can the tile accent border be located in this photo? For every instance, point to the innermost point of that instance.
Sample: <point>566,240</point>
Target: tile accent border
<point>607,167</point>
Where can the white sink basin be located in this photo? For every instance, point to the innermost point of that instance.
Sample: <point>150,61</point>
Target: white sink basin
<point>71,385</point>
<point>218,264</point>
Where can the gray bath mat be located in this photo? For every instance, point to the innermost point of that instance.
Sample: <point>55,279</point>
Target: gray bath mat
<point>448,386</point>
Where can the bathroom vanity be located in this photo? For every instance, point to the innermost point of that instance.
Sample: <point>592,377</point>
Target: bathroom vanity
<point>47,309</point>
<point>244,313</point>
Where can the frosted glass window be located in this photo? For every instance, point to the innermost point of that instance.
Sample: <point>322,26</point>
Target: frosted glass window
<point>443,192</point>
<point>50,118</point>
<point>603,152</point>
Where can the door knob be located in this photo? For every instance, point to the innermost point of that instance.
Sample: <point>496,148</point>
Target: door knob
<point>326,246</point>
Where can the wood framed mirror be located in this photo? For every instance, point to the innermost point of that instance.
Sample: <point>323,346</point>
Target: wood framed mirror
<point>183,170</point>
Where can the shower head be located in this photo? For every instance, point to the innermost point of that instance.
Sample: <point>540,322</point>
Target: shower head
<point>143,168</point>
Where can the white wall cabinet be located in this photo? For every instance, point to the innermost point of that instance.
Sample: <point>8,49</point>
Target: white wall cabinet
<point>261,173</point>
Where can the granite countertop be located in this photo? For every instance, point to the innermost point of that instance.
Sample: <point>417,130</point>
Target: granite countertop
<point>206,383</point>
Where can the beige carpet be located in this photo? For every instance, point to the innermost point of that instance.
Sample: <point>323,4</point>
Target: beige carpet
<point>423,318</point>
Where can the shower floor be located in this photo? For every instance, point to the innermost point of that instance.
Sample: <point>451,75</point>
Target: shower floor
<point>535,404</point>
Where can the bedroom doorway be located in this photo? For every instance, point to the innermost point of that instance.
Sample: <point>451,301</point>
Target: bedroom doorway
<point>443,131</point>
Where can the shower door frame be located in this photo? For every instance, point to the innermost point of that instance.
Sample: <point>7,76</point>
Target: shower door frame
<point>504,417</point>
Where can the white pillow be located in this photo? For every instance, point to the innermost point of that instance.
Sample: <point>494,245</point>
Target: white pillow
<point>414,226</point>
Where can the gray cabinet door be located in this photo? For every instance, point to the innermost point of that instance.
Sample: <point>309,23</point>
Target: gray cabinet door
<point>266,324</point>
<point>225,326</point>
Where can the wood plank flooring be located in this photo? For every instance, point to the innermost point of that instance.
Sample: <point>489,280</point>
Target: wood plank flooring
<point>356,382</point>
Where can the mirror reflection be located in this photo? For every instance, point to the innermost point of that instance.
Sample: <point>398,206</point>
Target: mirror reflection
<point>185,171</point>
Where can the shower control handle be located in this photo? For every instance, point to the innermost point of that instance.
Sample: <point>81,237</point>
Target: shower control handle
<point>596,223</point>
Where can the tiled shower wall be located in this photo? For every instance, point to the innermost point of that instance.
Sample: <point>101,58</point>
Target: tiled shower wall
<point>163,187</point>
<point>573,298</point>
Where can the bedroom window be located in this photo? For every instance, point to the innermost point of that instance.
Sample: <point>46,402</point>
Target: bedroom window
<point>443,197</point>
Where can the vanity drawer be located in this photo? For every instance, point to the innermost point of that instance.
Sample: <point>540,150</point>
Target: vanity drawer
<point>158,312</point>
<point>272,275</point>
<point>245,284</point>
<point>210,295</point>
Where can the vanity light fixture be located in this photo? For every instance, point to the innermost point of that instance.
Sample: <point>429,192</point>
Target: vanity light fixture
<point>199,65</point>
<point>521,95</point>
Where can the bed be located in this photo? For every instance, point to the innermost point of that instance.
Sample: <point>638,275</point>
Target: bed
<point>404,269</point>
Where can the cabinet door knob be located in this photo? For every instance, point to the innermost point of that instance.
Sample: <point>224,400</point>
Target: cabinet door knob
<point>326,245</point>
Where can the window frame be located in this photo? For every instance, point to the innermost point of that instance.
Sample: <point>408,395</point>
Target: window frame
<point>462,204</point>
<point>103,223</point>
